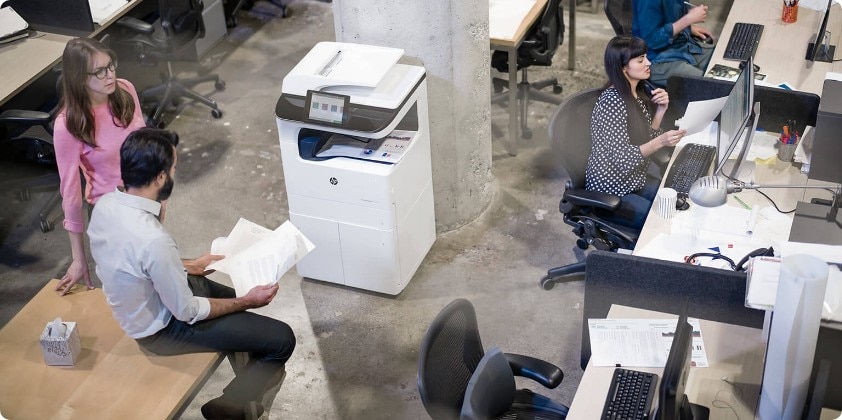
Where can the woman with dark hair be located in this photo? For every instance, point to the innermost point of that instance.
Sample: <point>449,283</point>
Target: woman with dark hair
<point>625,131</point>
<point>97,112</point>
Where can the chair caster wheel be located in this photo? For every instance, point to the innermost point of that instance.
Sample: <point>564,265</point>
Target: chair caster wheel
<point>526,134</point>
<point>557,89</point>
<point>582,244</point>
<point>219,85</point>
<point>24,195</point>
<point>46,226</point>
<point>547,283</point>
<point>216,113</point>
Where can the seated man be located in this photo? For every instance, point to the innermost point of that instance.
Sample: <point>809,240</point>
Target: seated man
<point>162,301</point>
<point>670,29</point>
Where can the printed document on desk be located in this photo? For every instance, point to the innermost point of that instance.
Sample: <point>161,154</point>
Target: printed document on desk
<point>639,342</point>
<point>101,10</point>
<point>12,26</point>
<point>505,16</point>
<point>255,255</point>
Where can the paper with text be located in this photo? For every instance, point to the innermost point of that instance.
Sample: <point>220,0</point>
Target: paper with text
<point>255,255</point>
<point>700,114</point>
<point>639,342</point>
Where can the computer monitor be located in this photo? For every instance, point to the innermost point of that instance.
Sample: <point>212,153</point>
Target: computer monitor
<point>819,50</point>
<point>672,402</point>
<point>734,119</point>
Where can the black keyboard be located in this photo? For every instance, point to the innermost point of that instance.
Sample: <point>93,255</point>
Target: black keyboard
<point>743,41</point>
<point>693,162</point>
<point>630,395</point>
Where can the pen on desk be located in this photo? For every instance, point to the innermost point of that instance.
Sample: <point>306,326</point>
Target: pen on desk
<point>743,203</point>
<point>689,4</point>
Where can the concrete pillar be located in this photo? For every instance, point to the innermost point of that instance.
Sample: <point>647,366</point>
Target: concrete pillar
<point>450,39</point>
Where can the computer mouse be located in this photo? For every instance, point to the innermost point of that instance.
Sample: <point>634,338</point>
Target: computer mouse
<point>681,203</point>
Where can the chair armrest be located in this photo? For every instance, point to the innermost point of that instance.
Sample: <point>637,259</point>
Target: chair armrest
<point>581,197</point>
<point>20,116</point>
<point>661,157</point>
<point>136,25</point>
<point>543,372</point>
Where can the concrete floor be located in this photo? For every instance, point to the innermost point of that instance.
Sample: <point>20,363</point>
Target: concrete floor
<point>357,352</point>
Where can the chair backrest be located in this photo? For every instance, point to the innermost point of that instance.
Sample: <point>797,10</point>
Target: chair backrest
<point>182,22</point>
<point>619,13</point>
<point>570,134</point>
<point>450,352</point>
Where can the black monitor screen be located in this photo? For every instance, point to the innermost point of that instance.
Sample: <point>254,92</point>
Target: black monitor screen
<point>735,114</point>
<point>820,50</point>
<point>671,391</point>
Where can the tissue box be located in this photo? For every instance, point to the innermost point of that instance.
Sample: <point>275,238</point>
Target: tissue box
<point>62,350</point>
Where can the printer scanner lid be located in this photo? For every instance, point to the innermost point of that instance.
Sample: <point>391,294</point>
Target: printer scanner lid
<point>368,74</point>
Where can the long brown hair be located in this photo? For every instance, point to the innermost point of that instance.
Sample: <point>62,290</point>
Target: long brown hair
<point>77,57</point>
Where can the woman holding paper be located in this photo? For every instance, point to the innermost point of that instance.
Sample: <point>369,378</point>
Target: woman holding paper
<point>625,131</point>
<point>97,112</point>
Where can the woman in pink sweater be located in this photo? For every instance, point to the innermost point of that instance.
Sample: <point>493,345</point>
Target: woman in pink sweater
<point>97,112</point>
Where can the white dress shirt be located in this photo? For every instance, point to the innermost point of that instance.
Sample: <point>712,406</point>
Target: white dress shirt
<point>143,278</point>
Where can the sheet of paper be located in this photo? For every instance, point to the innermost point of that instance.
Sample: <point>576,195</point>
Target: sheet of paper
<point>763,282</point>
<point>389,149</point>
<point>101,10</point>
<point>700,114</point>
<point>258,256</point>
<point>639,342</point>
<point>706,137</point>
<point>817,5</point>
<point>505,16</point>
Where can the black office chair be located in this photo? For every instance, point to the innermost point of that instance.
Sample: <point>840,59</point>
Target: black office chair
<point>450,353</point>
<point>178,28</point>
<point>587,211</point>
<point>537,49</point>
<point>30,139</point>
<point>619,13</point>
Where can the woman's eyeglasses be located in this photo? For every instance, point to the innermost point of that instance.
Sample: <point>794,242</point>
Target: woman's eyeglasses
<point>100,72</point>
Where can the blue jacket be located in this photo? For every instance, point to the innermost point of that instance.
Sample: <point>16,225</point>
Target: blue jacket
<point>652,21</point>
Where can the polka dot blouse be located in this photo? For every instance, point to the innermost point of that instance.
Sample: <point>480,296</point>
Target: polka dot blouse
<point>615,166</point>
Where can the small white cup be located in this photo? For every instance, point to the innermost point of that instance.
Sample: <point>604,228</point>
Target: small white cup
<point>665,202</point>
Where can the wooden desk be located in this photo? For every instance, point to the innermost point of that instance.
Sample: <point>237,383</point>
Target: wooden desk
<point>113,378</point>
<point>783,46</point>
<point>23,61</point>
<point>732,351</point>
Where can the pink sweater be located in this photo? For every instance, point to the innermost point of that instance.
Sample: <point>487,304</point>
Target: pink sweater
<point>100,165</point>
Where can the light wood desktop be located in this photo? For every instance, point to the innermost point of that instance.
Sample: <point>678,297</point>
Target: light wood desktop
<point>510,46</point>
<point>112,378</point>
<point>733,352</point>
<point>25,60</point>
<point>783,46</point>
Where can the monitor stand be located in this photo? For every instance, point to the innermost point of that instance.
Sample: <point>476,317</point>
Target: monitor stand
<point>690,411</point>
<point>810,224</point>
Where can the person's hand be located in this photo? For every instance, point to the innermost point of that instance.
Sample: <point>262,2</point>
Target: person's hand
<point>661,98</point>
<point>199,266</point>
<point>260,296</point>
<point>701,32</point>
<point>670,138</point>
<point>78,270</point>
<point>697,14</point>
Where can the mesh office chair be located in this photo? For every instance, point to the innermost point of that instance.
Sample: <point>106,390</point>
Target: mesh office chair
<point>588,212</point>
<point>451,351</point>
<point>619,13</point>
<point>537,49</point>
<point>178,28</point>
<point>30,139</point>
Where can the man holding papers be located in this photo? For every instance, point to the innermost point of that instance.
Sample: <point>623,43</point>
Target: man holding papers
<point>160,300</point>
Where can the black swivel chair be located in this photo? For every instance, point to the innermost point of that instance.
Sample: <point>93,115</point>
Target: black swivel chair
<point>537,49</point>
<point>30,139</point>
<point>586,211</point>
<point>619,13</point>
<point>450,353</point>
<point>178,28</point>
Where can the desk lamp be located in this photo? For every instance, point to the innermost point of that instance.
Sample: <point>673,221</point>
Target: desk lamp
<point>712,191</point>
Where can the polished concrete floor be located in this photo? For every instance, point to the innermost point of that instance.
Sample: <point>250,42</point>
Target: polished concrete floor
<point>357,352</point>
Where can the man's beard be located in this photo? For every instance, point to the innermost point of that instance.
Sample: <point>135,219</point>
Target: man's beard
<point>166,189</point>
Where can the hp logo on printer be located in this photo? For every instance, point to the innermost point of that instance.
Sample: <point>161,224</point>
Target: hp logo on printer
<point>333,181</point>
